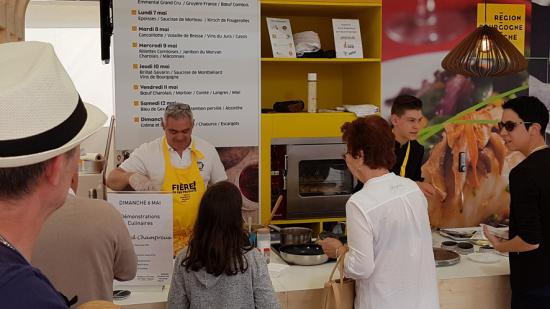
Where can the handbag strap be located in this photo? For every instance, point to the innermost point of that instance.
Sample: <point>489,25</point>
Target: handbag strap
<point>333,269</point>
<point>340,266</point>
<point>337,289</point>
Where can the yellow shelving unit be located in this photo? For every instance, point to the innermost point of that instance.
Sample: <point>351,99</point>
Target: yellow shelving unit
<point>339,81</point>
<point>316,224</point>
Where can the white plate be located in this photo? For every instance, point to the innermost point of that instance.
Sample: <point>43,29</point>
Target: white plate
<point>483,257</point>
<point>454,237</point>
<point>498,232</point>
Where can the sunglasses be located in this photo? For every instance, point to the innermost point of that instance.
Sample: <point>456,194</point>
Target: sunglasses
<point>510,125</point>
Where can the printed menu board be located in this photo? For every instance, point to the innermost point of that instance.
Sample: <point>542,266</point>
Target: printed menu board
<point>148,217</point>
<point>203,53</point>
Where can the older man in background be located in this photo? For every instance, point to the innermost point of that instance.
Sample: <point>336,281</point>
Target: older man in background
<point>42,122</point>
<point>83,246</point>
<point>178,162</point>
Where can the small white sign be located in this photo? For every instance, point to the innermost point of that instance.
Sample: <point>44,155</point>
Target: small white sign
<point>347,38</point>
<point>149,219</point>
<point>280,35</point>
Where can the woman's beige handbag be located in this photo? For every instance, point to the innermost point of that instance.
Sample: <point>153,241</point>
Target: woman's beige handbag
<point>339,293</point>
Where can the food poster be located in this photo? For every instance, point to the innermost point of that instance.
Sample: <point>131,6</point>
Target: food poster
<point>539,62</point>
<point>204,53</point>
<point>242,169</point>
<point>459,133</point>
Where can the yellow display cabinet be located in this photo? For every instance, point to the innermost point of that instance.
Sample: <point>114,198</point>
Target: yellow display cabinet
<point>339,81</point>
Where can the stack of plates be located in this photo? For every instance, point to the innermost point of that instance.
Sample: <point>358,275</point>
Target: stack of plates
<point>457,235</point>
<point>362,110</point>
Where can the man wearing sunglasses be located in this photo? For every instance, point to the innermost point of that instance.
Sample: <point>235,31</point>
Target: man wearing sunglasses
<point>522,127</point>
<point>179,162</point>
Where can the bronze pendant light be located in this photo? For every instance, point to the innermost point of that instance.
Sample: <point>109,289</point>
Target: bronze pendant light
<point>485,52</point>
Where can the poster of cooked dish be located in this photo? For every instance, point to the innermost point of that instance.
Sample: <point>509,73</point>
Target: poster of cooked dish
<point>466,160</point>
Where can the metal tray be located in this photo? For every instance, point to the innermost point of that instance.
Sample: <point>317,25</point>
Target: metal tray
<point>303,254</point>
<point>445,257</point>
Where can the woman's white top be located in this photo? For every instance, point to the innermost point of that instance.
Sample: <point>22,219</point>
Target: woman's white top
<point>389,238</point>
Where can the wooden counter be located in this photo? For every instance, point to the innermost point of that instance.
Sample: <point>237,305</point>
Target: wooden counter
<point>465,285</point>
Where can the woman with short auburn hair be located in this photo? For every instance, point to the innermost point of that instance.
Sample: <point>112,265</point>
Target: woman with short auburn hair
<point>389,238</point>
<point>373,136</point>
<point>220,269</point>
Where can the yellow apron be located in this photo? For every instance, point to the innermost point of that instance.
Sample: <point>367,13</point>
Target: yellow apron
<point>187,188</point>
<point>405,160</point>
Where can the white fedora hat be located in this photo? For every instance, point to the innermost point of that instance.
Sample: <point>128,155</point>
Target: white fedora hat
<point>41,113</point>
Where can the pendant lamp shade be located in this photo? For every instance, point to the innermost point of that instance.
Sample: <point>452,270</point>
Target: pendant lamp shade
<point>485,52</point>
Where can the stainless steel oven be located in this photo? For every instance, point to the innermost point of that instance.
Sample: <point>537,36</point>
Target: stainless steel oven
<point>317,180</point>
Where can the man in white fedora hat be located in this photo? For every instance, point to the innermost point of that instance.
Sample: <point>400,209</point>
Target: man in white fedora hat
<point>42,123</point>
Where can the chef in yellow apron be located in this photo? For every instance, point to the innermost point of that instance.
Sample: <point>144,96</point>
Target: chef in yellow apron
<point>187,187</point>
<point>177,162</point>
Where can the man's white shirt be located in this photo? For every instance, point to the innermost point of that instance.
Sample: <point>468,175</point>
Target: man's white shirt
<point>148,160</point>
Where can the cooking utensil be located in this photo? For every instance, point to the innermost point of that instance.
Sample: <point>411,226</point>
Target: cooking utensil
<point>445,257</point>
<point>326,234</point>
<point>303,254</point>
<point>277,204</point>
<point>464,248</point>
<point>100,191</point>
<point>106,156</point>
<point>293,235</point>
<point>449,245</point>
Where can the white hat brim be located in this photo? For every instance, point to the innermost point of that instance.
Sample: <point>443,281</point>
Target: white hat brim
<point>95,120</point>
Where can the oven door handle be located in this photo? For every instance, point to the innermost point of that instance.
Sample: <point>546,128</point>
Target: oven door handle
<point>285,173</point>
